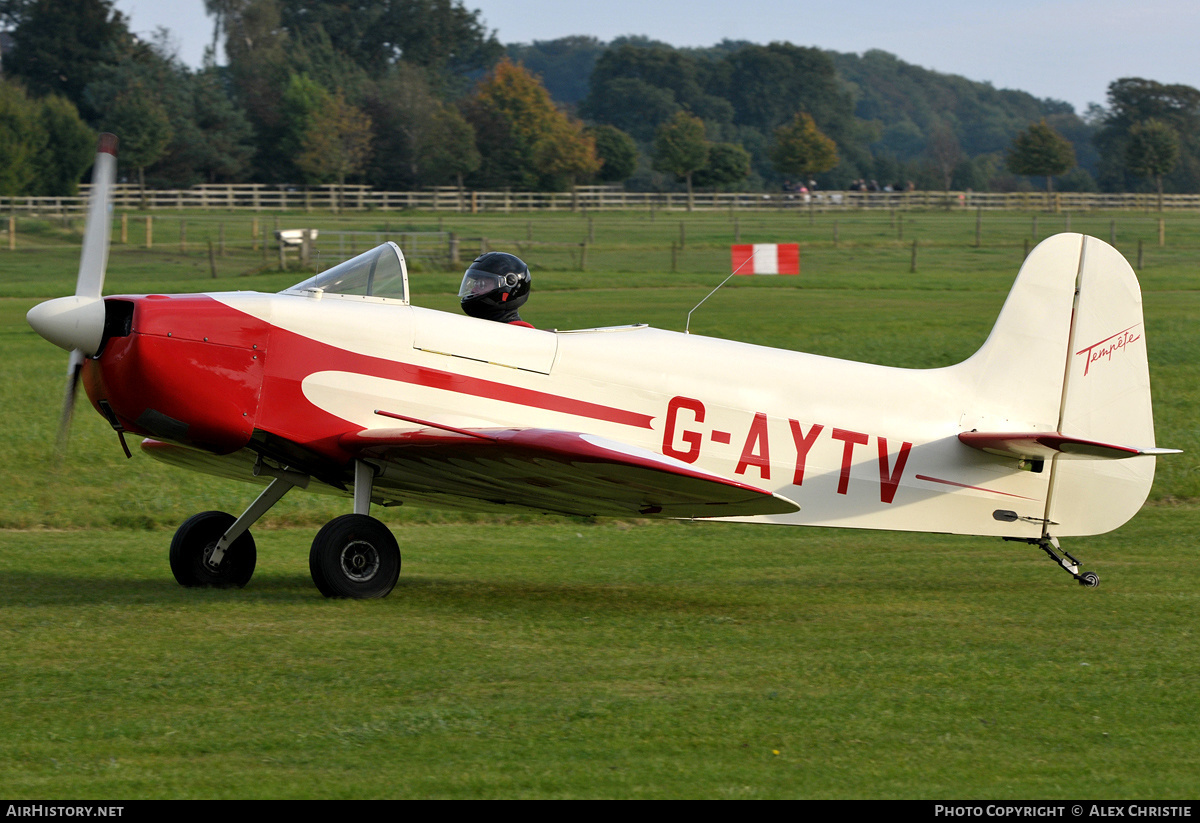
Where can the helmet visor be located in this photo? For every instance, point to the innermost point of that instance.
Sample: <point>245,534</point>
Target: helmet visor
<point>477,282</point>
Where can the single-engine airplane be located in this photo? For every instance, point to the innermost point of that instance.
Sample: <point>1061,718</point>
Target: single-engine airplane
<point>339,385</point>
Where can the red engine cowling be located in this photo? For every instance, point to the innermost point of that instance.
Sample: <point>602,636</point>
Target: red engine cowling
<point>182,368</point>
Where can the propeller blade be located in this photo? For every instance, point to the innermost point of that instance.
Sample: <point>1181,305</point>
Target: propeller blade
<point>98,231</point>
<point>74,366</point>
<point>75,322</point>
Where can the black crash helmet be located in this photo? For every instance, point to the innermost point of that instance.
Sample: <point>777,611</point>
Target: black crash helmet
<point>496,285</point>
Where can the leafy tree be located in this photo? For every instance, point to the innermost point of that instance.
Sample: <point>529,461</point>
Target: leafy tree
<point>631,104</point>
<point>680,148</point>
<point>565,65</point>
<point>728,163</point>
<point>617,152</point>
<point>800,149</point>
<point>1041,151</point>
<point>21,140</point>
<point>1134,101</point>
<point>524,141</point>
<point>70,148</point>
<point>403,105</point>
<point>144,128</point>
<point>45,147</point>
<point>300,105</point>
<point>337,142</point>
<point>945,152</point>
<point>450,153</point>
<point>1152,152</point>
<point>59,45</point>
<point>440,35</point>
<point>638,86</point>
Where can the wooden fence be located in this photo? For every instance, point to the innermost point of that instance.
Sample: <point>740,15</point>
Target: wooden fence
<point>263,198</point>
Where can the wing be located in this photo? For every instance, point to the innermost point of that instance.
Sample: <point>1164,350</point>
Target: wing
<point>495,470</point>
<point>551,471</point>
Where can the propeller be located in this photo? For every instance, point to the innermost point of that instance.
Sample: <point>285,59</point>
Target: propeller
<point>76,322</point>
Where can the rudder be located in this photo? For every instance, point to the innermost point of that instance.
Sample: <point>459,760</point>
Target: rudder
<point>1106,398</point>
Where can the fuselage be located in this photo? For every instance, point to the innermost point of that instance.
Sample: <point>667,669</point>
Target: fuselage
<point>853,444</point>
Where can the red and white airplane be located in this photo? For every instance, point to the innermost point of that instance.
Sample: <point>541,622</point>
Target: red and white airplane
<point>339,385</point>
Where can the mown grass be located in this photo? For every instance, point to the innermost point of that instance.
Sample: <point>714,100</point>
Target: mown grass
<point>538,657</point>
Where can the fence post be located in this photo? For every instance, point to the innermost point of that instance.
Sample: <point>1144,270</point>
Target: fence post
<point>978,226</point>
<point>149,231</point>
<point>912,267</point>
<point>305,248</point>
<point>453,249</point>
<point>12,232</point>
<point>124,227</point>
<point>1162,232</point>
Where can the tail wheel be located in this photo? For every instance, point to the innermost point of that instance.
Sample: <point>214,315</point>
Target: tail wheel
<point>192,550</point>
<point>354,556</point>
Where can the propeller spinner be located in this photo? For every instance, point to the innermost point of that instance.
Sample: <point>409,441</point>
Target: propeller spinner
<point>76,323</point>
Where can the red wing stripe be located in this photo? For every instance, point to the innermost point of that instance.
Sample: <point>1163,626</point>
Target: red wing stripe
<point>436,379</point>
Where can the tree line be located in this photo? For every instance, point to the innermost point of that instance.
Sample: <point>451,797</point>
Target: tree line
<point>404,94</point>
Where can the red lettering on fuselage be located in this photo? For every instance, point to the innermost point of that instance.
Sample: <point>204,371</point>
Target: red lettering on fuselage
<point>693,439</point>
<point>683,440</point>
<point>804,442</point>
<point>890,480</point>
<point>756,438</point>
<point>851,439</point>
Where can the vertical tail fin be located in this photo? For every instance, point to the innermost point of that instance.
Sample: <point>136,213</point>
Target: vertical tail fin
<point>1068,355</point>
<point>1106,397</point>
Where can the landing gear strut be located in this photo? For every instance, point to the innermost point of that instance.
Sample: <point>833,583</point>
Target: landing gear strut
<point>353,556</point>
<point>1062,557</point>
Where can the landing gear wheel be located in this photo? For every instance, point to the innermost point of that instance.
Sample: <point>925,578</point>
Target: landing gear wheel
<point>1089,579</point>
<point>354,556</point>
<point>192,549</point>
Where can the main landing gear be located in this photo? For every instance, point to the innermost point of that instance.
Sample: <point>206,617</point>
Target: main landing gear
<point>353,556</point>
<point>1062,557</point>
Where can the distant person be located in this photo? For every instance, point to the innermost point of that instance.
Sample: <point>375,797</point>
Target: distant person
<point>495,286</point>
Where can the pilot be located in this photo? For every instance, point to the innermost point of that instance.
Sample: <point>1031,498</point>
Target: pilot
<point>495,286</point>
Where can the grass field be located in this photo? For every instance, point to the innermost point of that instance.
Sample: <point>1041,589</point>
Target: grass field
<point>542,657</point>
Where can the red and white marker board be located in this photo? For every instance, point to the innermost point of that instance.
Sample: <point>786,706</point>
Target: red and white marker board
<point>766,258</point>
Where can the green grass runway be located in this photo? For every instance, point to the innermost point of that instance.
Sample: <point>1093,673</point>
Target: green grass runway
<point>549,657</point>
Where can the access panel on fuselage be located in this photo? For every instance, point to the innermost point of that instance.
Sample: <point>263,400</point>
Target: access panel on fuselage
<point>485,341</point>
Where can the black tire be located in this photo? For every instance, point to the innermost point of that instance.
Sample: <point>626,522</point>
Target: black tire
<point>354,556</point>
<point>1089,579</point>
<point>193,544</point>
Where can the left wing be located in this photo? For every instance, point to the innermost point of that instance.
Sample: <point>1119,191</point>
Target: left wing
<point>551,471</point>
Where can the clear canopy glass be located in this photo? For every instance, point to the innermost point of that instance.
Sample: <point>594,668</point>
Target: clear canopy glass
<point>379,272</point>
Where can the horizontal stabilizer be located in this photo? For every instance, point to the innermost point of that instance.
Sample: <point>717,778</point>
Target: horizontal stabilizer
<point>551,471</point>
<point>1044,445</point>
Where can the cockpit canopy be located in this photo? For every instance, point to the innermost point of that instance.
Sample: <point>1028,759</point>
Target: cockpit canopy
<point>377,274</point>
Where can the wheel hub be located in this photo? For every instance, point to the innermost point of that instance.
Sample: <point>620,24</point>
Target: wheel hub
<point>360,560</point>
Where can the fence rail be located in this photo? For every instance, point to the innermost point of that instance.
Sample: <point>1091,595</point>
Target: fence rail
<point>260,197</point>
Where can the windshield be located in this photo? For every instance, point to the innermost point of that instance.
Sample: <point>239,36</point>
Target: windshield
<point>379,272</point>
